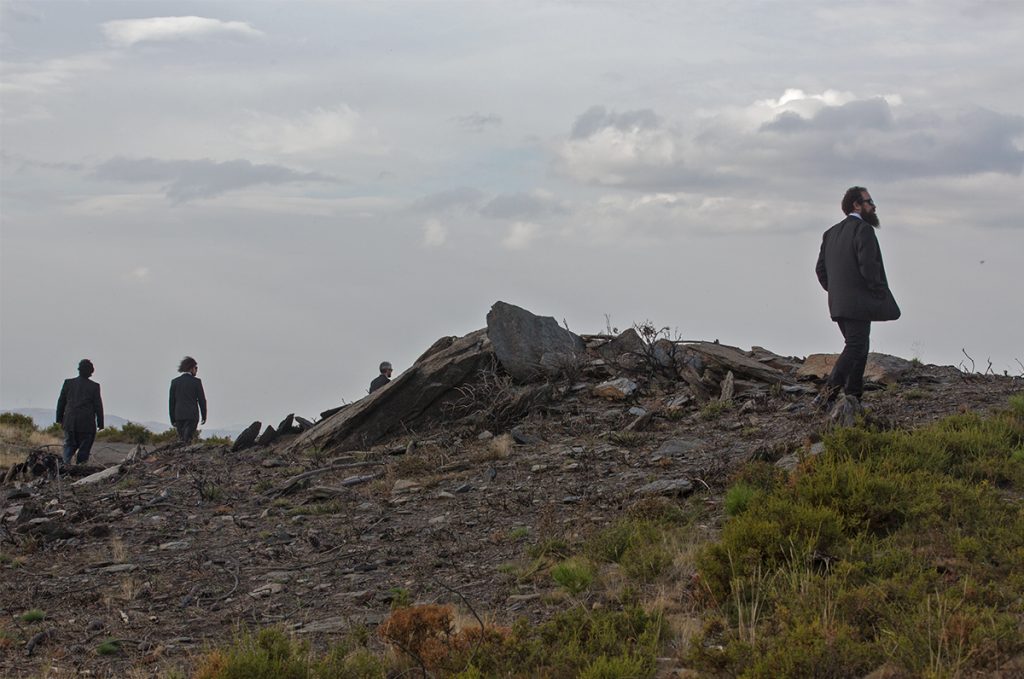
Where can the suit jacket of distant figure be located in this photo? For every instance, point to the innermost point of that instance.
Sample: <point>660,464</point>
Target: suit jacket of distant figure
<point>850,269</point>
<point>80,407</point>
<point>187,399</point>
<point>378,382</point>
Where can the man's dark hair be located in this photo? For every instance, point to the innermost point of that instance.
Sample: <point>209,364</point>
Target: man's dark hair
<point>85,368</point>
<point>854,194</point>
<point>187,364</point>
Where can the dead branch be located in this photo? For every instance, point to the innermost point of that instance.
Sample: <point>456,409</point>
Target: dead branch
<point>961,366</point>
<point>294,482</point>
<point>464,600</point>
<point>38,639</point>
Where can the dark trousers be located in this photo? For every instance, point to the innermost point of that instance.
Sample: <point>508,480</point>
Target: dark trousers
<point>186,430</point>
<point>80,441</point>
<point>848,372</point>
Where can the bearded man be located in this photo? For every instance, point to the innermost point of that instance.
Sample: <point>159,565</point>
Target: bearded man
<point>850,269</point>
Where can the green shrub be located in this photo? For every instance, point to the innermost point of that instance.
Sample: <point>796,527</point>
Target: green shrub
<point>128,433</point>
<point>268,654</point>
<point>575,575</point>
<point>640,547</point>
<point>18,421</point>
<point>658,509</point>
<point>621,667</point>
<point>345,661</point>
<point>760,475</point>
<point>169,435</point>
<point>896,548</point>
<point>34,615</point>
<point>518,533</point>
<point>109,647</point>
<point>400,597</point>
<point>550,547</point>
<point>628,439</point>
<point>712,410</point>
<point>739,498</point>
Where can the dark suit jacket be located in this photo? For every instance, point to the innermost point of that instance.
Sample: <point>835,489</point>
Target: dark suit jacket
<point>187,400</point>
<point>378,382</point>
<point>850,269</point>
<point>80,407</point>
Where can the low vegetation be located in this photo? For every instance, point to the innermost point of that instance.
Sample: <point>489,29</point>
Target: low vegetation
<point>896,553</point>
<point>19,434</point>
<point>896,550</point>
<point>136,433</point>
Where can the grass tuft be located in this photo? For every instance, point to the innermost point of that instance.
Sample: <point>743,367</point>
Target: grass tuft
<point>575,575</point>
<point>34,615</point>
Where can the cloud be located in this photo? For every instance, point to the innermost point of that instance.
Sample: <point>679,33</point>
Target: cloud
<point>868,114</point>
<point>788,142</point>
<point>477,122</point>
<point>45,76</point>
<point>321,129</point>
<point>22,164</point>
<point>523,206</point>
<point>597,118</point>
<point>520,235</point>
<point>185,180</point>
<point>140,272</point>
<point>128,32</point>
<point>434,233</point>
<point>457,199</point>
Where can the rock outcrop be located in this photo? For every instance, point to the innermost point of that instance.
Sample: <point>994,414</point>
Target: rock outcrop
<point>415,397</point>
<point>530,346</point>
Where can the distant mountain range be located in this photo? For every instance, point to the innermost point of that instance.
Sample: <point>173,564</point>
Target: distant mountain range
<point>43,417</point>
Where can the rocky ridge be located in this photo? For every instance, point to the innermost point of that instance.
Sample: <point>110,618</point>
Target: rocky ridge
<point>514,433</point>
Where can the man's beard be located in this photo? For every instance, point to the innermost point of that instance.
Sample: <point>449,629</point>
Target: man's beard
<point>872,219</point>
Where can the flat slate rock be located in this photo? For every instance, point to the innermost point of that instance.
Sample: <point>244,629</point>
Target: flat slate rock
<point>671,487</point>
<point>678,447</point>
<point>880,368</point>
<point>618,389</point>
<point>247,439</point>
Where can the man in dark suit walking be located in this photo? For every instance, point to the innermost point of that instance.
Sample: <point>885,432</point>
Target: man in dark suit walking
<point>187,400</point>
<point>850,269</point>
<point>80,413</point>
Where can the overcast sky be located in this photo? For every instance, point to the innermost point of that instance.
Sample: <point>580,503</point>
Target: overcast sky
<point>292,192</point>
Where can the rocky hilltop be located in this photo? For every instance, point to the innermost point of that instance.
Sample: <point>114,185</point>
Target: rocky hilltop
<point>427,489</point>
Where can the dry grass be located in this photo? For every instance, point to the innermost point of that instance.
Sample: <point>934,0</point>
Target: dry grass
<point>498,448</point>
<point>15,443</point>
<point>118,550</point>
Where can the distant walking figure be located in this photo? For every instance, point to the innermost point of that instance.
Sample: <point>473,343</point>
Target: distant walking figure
<point>187,400</point>
<point>80,413</point>
<point>850,269</point>
<point>382,379</point>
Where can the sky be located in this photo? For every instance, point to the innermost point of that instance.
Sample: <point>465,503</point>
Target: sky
<point>292,192</point>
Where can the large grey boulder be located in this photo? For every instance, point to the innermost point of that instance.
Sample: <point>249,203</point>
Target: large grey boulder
<point>423,393</point>
<point>627,342</point>
<point>530,346</point>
